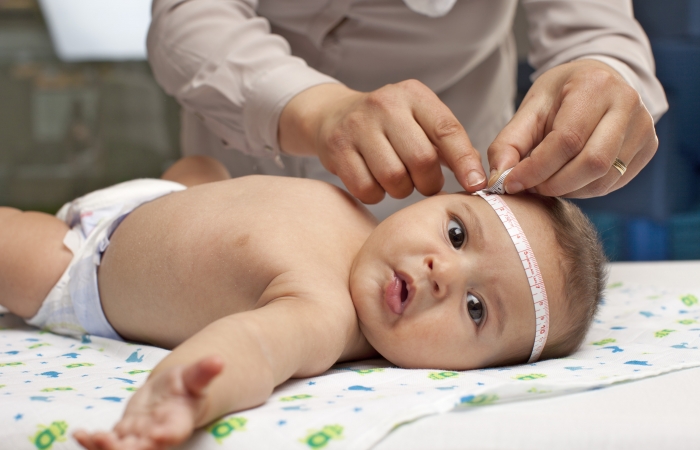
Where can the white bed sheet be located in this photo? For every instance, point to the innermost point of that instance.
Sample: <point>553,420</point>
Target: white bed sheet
<point>653,413</point>
<point>658,412</point>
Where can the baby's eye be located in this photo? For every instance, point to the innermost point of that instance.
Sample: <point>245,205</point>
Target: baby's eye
<point>455,231</point>
<point>475,308</point>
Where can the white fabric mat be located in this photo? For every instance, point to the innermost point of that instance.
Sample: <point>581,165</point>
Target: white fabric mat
<point>652,413</point>
<point>51,385</point>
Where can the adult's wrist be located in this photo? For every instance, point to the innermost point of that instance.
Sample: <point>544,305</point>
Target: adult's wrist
<point>303,116</point>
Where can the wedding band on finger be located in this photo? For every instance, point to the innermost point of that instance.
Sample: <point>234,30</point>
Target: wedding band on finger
<point>620,166</point>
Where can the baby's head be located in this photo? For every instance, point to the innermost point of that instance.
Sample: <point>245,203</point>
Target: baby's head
<point>440,284</point>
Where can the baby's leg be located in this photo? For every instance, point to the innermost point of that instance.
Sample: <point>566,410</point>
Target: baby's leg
<point>194,170</point>
<point>32,259</point>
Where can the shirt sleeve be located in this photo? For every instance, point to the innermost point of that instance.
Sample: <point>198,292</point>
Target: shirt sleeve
<point>220,61</point>
<point>566,30</point>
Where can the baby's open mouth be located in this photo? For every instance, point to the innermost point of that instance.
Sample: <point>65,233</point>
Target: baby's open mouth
<point>397,293</point>
<point>404,292</point>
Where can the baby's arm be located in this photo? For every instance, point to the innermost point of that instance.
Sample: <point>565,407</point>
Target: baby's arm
<point>257,351</point>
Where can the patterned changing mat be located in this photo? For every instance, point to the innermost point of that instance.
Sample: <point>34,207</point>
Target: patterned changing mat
<point>51,385</point>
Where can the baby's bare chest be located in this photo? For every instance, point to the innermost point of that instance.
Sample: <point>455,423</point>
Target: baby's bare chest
<point>239,268</point>
<point>205,260</point>
<point>187,259</point>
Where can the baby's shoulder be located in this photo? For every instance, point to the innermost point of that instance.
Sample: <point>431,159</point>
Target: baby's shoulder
<point>286,196</point>
<point>291,186</point>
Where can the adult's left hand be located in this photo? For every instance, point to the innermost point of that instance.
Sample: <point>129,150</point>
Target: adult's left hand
<point>574,121</point>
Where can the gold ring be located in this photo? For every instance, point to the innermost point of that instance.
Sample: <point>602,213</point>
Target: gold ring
<point>620,166</point>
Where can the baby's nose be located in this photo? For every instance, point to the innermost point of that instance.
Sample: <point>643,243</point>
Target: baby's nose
<point>439,277</point>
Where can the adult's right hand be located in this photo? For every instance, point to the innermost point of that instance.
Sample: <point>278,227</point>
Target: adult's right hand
<point>389,140</point>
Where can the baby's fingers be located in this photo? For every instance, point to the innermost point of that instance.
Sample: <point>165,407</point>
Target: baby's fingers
<point>86,439</point>
<point>110,441</point>
<point>96,441</point>
<point>198,375</point>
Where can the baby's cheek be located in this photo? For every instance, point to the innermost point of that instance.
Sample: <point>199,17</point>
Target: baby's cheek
<point>415,347</point>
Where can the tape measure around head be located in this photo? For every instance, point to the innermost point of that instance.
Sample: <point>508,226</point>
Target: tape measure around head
<point>498,187</point>
<point>527,258</point>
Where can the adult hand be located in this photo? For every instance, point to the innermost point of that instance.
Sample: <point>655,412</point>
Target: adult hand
<point>389,140</point>
<point>574,121</point>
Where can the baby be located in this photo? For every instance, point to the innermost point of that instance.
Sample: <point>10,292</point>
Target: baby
<point>255,280</point>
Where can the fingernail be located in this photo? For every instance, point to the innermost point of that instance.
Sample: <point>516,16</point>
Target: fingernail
<point>514,187</point>
<point>493,177</point>
<point>475,177</point>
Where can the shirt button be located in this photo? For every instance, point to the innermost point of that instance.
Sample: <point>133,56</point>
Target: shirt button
<point>269,149</point>
<point>223,141</point>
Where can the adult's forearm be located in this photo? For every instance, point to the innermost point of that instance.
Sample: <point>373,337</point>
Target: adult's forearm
<point>220,60</point>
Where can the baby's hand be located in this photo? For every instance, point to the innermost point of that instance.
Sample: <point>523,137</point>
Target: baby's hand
<point>162,413</point>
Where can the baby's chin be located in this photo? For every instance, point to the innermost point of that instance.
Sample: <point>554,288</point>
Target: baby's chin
<point>405,357</point>
<point>408,361</point>
<point>412,363</point>
<point>385,350</point>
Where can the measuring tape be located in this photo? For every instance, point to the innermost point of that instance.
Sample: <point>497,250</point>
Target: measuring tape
<point>527,257</point>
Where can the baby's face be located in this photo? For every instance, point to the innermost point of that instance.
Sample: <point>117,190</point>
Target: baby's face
<point>440,284</point>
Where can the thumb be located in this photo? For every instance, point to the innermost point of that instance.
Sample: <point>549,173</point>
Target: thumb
<point>197,376</point>
<point>512,144</point>
<point>505,157</point>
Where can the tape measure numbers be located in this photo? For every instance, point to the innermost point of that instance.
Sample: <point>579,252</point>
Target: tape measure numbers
<point>527,258</point>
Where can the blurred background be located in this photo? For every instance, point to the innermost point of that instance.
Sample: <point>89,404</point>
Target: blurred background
<point>79,110</point>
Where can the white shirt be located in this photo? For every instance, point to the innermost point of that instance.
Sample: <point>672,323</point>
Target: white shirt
<point>234,64</point>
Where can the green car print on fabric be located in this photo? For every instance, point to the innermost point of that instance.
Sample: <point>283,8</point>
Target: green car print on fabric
<point>689,300</point>
<point>663,333</point>
<point>291,398</point>
<point>367,371</point>
<point>46,436</point>
<point>40,344</point>
<point>223,428</point>
<point>87,347</point>
<point>534,390</point>
<point>605,341</point>
<point>442,375</point>
<point>319,439</point>
<point>12,364</point>
<point>478,400</point>
<point>529,376</point>
<point>76,365</point>
<point>54,389</point>
<point>687,321</point>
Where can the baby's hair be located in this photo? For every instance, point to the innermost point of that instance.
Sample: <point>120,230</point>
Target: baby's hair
<point>583,264</point>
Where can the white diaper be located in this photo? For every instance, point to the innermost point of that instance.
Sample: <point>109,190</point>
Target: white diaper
<point>73,306</point>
